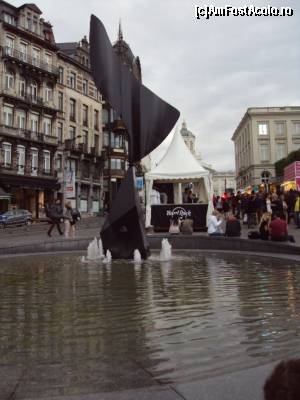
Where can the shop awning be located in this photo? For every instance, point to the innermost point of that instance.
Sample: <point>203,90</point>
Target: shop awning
<point>4,195</point>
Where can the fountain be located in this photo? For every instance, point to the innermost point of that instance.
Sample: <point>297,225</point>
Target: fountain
<point>166,250</point>
<point>94,251</point>
<point>137,256</point>
<point>108,257</point>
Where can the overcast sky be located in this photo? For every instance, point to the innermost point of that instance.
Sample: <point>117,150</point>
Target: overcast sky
<point>212,71</point>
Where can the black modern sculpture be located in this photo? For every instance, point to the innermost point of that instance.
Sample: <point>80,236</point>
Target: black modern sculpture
<point>148,120</point>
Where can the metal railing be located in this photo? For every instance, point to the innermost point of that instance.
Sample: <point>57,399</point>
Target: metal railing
<point>28,98</point>
<point>27,134</point>
<point>33,61</point>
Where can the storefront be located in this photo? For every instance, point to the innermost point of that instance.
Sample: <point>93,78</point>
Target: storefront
<point>30,193</point>
<point>4,200</point>
<point>291,177</point>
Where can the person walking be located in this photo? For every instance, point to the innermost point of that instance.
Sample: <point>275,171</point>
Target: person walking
<point>55,213</point>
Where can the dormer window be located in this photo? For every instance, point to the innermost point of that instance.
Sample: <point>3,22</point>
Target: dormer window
<point>29,22</point>
<point>35,25</point>
<point>9,19</point>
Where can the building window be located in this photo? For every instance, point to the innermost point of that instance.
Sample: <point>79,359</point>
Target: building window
<point>33,91</point>
<point>71,165</point>
<point>36,57</point>
<point>60,131</point>
<point>34,123</point>
<point>72,80</point>
<point>280,151</point>
<point>47,168</point>
<point>6,147</point>
<point>9,80</point>
<point>35,25</point>
<point>8,115</point>
<point>22,88</point>
<point>280,128</point>
<point>72,133</point>
<point>117,163</point>
<point>85,113</point>
<point>105,139</point>
<point>297,128</point>
<point>9,45</point>
<point>61,75</point>
<point>72,110</point>
<point>21,120</point>
<point>29,22</point>
<point>48,59</point>
<point>85,86</point>
<point>9,19</point>
<point>23,51</point>
<point>116,141</point>
<point>47,126</point>
<point>96,142</point>
<point>21,159</point>
<point>48,93</point>
<point>96,120</point>
<point>58,163</point>
<point>34,161</point>
<point>104,116</point>
<point>60,101</point>
<point>264,152</point>
<point>85,137</point>
<point>263,128</point>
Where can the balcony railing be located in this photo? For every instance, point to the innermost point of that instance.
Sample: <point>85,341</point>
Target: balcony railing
<point>29,98</point>
<point>33,61</point>
<point>27,134</point>
<point>94,151</point>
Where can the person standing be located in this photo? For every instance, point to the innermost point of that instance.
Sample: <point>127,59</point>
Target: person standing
<point>68,218</point>
<point>55,213</point>
<point>297,211</point>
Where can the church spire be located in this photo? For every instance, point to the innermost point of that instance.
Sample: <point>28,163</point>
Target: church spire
<point>120,34</point>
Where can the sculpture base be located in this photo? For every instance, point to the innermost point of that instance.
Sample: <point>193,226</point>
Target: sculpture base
<point>123,230</point>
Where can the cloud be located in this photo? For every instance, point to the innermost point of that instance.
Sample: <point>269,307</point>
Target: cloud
<point>212,71</point>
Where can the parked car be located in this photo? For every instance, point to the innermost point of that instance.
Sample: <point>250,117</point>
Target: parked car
<point>15,217</point>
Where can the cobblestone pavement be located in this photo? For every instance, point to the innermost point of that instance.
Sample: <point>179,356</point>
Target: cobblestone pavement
<point>88,227</point>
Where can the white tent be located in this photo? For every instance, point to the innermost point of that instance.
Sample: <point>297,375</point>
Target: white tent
<point>178,165</point>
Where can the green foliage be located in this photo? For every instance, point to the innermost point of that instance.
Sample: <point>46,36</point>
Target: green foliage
<point>281,164</point>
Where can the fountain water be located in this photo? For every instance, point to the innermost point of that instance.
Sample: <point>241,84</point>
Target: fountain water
<point>166,250</point>
<point>95,250</point>
<point>108,257</point>
<point>137,256</point>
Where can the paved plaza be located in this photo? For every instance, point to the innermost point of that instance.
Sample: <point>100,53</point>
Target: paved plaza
<point>87,228</point>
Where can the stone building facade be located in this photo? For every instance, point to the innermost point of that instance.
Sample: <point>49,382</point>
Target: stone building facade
<point>264,136</point>
<point>79,159</point>
<point>28,117</point>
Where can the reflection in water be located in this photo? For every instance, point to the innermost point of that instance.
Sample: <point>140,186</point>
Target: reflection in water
<point>71,328</point>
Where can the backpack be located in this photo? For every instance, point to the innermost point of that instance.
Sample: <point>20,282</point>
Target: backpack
<point>75,215</point>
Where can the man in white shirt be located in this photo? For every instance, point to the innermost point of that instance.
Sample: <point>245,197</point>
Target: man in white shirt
<point>154,197</point>
<point>214,224</point>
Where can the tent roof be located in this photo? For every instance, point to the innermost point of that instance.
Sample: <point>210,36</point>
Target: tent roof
<point>178,163</point>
